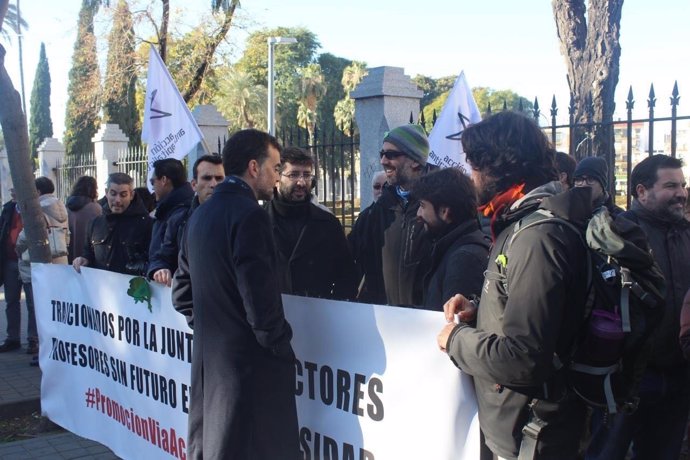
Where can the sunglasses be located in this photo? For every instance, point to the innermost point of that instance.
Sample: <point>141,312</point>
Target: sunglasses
<point>391,154</point>
<point>378,186</point>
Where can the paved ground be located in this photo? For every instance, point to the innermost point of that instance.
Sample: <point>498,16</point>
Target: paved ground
<point>20,394</point>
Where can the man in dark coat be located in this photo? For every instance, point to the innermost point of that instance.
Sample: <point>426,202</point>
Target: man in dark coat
<point>313,256</point>
<point>118,240</point>
<point>387,242</point>
<point>448,209</point>
<point>533,299</point>
<point>243,376</point>
<point>174,196</point>
<point>656,429</point>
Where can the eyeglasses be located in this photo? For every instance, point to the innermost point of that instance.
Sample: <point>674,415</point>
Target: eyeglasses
<point>391,154</point>
<point>295,176</point>
<point>582,180</point>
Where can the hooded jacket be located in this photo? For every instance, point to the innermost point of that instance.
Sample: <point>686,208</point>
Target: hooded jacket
<point>390,250</point>
<point>56,219</point>
<point>170,212</point>
<point>458,261</point>
<point>531,308</point>
<point>120,242</point>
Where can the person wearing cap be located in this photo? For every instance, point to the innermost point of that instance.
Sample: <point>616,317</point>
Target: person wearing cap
<point>387,240</point>
<point>593,172</point>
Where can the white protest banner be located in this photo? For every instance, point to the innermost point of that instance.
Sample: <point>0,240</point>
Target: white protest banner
<point>459,111</point>
<point>372,384</point>
<point>169,129</point>
<point>370,381</point>
<point>113,371</point>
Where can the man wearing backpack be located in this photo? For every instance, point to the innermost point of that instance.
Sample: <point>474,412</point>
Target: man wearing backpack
<point>657,427</point>
<point>533,297</point>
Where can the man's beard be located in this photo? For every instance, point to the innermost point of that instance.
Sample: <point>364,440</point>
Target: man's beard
<point>287,193</point>
<point>488,191</point>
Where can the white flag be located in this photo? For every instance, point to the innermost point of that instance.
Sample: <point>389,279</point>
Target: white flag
<point>169,129</point>
<point>459,111</point>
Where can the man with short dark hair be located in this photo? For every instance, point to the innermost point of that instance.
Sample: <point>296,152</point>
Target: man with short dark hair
<point>174,196</point>
<point>448,210</point>
<point>533,297</point>
<point>303,230</point>
<point>118,240</point>
<point>656,429</point>
<point>243,377</point>
<point>387,241</point>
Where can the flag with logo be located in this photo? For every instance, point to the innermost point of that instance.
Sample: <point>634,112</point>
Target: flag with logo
<point>459,111</point>
<point>169,129</point>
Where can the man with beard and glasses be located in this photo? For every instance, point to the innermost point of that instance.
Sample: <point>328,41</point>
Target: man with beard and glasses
<point>387,240</point>
<point>312,253</point>
<point>242,402</point>
<point>656,429</point>
<point>533,299</point>
<point>448,210</point>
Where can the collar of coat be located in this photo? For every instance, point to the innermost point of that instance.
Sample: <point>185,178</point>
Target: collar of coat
<point>179,197</point>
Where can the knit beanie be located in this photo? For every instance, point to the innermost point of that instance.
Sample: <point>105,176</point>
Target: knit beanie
<point>411,140</point>
<point>594,167</point>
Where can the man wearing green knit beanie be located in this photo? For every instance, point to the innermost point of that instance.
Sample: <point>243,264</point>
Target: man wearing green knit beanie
<point>387,240</point>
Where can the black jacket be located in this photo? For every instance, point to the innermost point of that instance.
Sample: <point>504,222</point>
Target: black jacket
<point>670,244</point>
<point>458,261</point>
<point>530,309</point>
<point>120,242</point>
<point>243,377</point>
<point>8,210</point>
<point>170,212</point>
<point>316,262</point>
<point>390,251</point>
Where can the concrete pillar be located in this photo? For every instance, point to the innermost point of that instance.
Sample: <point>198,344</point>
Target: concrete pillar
<point>50,153</point>
<point>383,101</point>
<point>214,128</point>
<point>108,142</point>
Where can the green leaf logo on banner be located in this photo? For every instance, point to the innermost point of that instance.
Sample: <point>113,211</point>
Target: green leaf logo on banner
<point>140,291</point>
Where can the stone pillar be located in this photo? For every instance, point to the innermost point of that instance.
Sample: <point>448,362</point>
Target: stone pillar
<point>214,128</point>
<point>108,142</point>
<point>50,153</point>
<point>383,101</point>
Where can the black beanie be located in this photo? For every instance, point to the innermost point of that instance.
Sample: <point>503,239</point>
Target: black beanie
<point>594,167</point>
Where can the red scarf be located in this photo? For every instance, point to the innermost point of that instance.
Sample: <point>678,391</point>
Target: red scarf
<point>499,203</point>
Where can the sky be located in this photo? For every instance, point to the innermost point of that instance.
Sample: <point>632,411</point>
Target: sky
<point>501,44</point>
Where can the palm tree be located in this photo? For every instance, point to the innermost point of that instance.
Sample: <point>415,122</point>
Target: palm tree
<point>13,23</point>
<point>312,88</point>
<point>240,100</point>
<point>344,110</point>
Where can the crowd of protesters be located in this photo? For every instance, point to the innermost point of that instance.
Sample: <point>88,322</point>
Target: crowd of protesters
<point>248,228</point>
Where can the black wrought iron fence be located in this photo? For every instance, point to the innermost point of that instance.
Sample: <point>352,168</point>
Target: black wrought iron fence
<point>72,168</point>
<point>134,161</point>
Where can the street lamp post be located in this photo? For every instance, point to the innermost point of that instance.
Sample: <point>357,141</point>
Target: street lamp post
<point>272,41</point>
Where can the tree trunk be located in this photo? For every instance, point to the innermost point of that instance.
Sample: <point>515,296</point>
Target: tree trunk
<point>591,47</point>
<point>195,83</point>
<point>16,135</point>
<point>163,37</point>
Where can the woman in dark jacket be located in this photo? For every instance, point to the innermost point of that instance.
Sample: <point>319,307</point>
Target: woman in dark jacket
<point>81,209</point>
